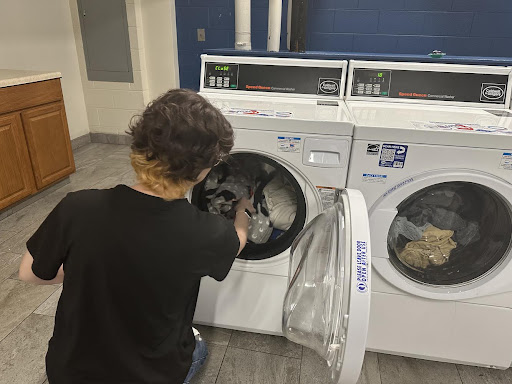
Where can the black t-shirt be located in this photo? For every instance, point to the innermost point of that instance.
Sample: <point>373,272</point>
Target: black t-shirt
<point>132,268</point>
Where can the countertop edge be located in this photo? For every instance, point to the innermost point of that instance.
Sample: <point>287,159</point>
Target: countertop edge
<point>29,79</point>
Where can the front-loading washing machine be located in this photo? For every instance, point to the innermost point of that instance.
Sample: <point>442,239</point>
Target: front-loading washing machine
<point>312,284</point>
<point>432,155</point>
<point>289,116</point>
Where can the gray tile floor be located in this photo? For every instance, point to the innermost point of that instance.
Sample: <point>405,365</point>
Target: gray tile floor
<point>27,313</point>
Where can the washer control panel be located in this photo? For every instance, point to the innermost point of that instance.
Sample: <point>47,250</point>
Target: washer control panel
<point>275,75</point>
<point>221,75</point>
<point>369,82</point>
<point>442,83</point>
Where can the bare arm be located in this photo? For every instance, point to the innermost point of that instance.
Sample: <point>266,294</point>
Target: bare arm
<point>242,221</point>
<point>27,275</point>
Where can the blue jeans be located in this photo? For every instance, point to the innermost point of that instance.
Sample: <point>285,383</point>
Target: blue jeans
<point>198,358</point>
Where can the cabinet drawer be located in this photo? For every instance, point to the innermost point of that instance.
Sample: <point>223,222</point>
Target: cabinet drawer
<point>25,96</point>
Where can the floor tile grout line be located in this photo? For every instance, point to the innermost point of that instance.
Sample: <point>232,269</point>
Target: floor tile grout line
<point>25,319</point>
<point>13,234</point>
<point>300,365</point>
<point>458,373</point>
<point>266,353</point>
<point>378,366</point>
<point>223,357</point>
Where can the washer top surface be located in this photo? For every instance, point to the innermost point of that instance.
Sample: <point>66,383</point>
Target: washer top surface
<point>315,115</point>
<point>432,124</point>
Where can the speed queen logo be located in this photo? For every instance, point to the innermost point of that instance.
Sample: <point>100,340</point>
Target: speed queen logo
<point>493,93</point>
<point>328,87</point>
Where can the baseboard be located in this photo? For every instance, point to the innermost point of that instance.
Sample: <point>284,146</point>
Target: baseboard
<point>109,138</point>
<point>6,212</point>
<point>80,141</point>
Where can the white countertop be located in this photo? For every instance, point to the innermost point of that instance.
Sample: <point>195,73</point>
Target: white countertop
<point>9,77</point>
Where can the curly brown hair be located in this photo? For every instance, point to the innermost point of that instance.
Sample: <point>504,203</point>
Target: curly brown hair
<point>178,136</point>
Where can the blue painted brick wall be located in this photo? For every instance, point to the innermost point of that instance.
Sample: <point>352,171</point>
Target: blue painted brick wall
<point>458,27</point>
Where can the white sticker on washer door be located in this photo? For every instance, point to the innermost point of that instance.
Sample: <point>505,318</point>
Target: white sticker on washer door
<point>288,144</point>
<point>327,196</point>
<point>362,267</point>
<point>506,161</point>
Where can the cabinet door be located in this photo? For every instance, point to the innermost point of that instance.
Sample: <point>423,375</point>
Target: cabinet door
<point>16,178</point>
<point>48,141</point>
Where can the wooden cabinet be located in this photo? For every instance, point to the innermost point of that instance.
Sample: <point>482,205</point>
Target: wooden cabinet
<point>48,140</point>
<point>16,178</point>
<point>35,148</point>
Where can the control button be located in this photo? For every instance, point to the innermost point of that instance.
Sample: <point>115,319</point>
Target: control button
<point>226,85</point>
<point>360,84</point>
<point>376,92</point>
<point>360,92</point>
<point>368,92</point>
<point>212,78</point>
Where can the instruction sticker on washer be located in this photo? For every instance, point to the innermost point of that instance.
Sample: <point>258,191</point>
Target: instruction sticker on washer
<point>393,155</point>
<point>288,144</point>
<point>460,127</point>
<point>327,196</point>
<point>374,178</point>
<point>506,161</point>
<point>361,267</point>
<point>256,112</point>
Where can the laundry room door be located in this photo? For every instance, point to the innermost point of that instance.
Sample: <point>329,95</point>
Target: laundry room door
<point>327,305</point>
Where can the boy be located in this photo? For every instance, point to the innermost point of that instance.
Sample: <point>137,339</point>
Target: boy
<point>131,258</point>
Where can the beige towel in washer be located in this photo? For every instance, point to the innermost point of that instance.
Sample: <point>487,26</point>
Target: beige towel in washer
<point>281,202</point>
<point>434,248</point>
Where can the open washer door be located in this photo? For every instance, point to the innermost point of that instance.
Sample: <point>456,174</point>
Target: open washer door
<point>327,305</point>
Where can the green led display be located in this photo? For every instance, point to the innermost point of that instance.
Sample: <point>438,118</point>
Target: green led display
<point>222,67</point>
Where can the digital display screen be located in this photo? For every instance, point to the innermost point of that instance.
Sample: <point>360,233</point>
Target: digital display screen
<point>221,75</point>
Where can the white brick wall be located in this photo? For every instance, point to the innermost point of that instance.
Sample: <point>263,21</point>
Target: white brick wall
<point>111,105</point>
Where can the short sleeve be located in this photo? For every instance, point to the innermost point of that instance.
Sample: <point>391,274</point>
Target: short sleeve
<point>49,244</point>
<point>226,251</point>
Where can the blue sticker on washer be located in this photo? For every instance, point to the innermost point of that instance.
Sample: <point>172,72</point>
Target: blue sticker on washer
<point>393,155</point>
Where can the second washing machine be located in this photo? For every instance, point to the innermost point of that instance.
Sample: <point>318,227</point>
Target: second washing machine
<point>432,154</point>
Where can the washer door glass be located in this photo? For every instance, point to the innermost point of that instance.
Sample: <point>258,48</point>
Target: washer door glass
<point>277,197</point>
<point>450,233</point>
<point>327,306</point>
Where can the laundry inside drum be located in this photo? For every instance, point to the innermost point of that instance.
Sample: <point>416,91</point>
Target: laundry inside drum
<point>450,233</point>
<point>276,196</point>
